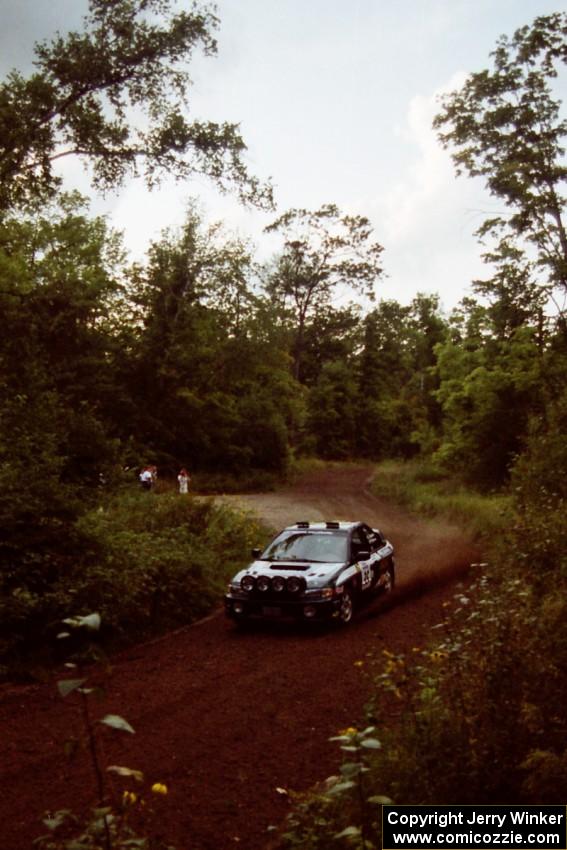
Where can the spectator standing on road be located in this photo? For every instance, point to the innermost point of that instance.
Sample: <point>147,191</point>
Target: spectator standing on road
<point>184,478</point>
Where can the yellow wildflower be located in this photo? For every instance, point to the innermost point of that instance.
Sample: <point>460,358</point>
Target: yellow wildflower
<point>159,788</point>
<point>350,730</point>
<point>359,663</point>
<point>129,798</point>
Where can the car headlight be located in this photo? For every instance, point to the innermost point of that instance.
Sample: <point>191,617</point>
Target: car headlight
<point>278,583</point>
<point>247,583</point>
<point>321,593</point>
<point>263,584</point>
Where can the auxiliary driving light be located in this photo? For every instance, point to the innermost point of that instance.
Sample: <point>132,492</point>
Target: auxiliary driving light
<point>247,583</point>
<point>263,584</point>
<point>294,584</point>
<point>278,583</point>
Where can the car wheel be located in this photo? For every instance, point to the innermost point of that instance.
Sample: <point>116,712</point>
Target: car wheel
<point>389,579</point>
<point>346,609</point>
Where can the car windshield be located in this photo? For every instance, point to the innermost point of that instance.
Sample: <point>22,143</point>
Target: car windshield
<point>299,546</point>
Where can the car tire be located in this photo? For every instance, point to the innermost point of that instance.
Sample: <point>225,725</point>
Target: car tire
<point>346,608</point>
<point>390,579</point>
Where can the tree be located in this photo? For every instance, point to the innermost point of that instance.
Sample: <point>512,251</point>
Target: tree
<point>332,335</point>
<point>331,412</point>
<point>116,95</point>
<point>506,126</point>
<point>488,389</point>
<point>60,300</point>
<point>324,251</point>
<point>516,300</point>
<point>211,387</point>
<point>396,408</point>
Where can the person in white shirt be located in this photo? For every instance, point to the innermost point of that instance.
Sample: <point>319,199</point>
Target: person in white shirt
<point>183,478</point>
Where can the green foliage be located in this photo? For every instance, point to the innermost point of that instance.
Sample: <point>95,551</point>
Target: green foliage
<point>487,390</point>
<point>323,250</point>
<point>147,563</point>
<point>332,412</point>
<point>506,125</point>
<point>206,385</point>
<point>115,822</point>
<point>166,559</point>
<point>540,489</point>
<point>332,335</point>
<point>476,716</point>
<point>397,409</point>
<point>426,489</point>
<point>342,812</point>
<point>116,95</point>
<point>485,700</point>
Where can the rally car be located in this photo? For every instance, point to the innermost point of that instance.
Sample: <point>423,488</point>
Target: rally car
<point>313,571</point>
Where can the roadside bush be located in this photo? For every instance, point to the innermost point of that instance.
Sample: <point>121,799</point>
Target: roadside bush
<point>148,564</point>
<point>166,559</point>
<point>485,700</point>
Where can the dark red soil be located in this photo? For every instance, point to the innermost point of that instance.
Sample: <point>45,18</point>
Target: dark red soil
<point>230,720</point>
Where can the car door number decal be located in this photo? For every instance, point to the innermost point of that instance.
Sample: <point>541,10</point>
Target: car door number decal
<point>366,573</point>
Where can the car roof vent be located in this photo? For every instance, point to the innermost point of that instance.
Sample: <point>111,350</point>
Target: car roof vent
<point>302,524</point>
<point>332,524</point>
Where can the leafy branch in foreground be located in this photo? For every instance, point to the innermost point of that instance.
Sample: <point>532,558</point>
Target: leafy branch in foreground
<point>116,95</point>
<point>108,826</point>
<point>344,812</point>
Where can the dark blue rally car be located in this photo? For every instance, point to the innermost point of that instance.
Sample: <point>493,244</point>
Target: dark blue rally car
<point>313,571</point>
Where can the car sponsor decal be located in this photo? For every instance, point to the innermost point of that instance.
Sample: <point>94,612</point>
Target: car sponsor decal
<point>366,571</point>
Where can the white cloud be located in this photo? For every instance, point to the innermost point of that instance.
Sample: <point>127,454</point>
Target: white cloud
<point>427,219</point>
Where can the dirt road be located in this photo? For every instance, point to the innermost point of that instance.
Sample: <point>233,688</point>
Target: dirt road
<point>229,720</point>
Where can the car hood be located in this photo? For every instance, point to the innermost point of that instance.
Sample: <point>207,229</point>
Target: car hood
<point>315,574</point>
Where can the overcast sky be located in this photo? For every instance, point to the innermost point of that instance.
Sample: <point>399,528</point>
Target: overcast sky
<point>335,100</point>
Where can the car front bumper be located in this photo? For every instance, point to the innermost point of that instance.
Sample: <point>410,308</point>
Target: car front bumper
<point>241,607</point>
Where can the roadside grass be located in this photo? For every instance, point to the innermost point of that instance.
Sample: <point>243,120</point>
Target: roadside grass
<point>423,489</point>
<point>252,481</point>
<point>299,466</point>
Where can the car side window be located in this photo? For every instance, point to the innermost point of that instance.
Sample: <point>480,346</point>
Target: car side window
<point>372,537</point>
<point>359,543</point>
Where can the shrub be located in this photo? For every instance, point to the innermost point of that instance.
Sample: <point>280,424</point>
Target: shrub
<point>148,564</point>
